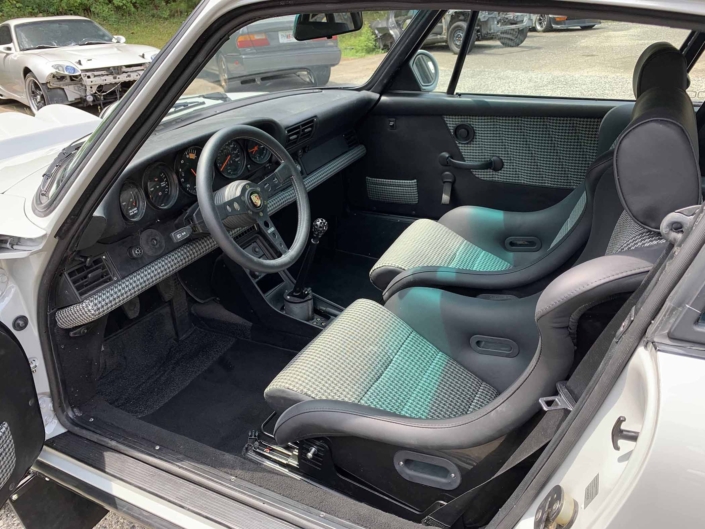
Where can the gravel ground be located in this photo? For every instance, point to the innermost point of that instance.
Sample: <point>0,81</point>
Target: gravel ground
<point>8,520</point>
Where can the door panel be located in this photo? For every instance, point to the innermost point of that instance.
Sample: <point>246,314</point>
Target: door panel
<point>546,146</point>
<point>21,426</point>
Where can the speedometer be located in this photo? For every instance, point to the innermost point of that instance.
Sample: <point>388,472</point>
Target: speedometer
<point>230,160</point>
<point>186,166</point>
<point>160,186</point>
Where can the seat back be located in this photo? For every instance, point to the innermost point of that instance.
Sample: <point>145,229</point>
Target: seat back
<point>655,171</point>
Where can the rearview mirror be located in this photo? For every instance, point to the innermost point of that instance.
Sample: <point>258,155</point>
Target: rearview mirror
<point>426,70</point>
<point>7,48</point>
<point>326,25</point>
<point>119,39</point>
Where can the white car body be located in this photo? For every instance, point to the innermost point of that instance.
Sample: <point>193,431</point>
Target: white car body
<point>98,68</point>
<point>656,484</point>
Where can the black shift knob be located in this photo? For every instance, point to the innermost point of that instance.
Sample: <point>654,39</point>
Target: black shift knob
<point>319,228</point>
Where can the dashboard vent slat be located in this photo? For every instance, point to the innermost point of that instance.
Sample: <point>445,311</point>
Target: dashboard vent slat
<point>90,276</point>
<point>300,132</point>
<point>351,139</point>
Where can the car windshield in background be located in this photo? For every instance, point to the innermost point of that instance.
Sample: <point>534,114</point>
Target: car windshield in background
<point>264,57</point>
<point>60,33</point>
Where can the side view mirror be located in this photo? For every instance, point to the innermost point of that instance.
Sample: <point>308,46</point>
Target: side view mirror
<point>326,25</point>
<point>119,39</point>
<point>7,48</point>
<point>426,70</point>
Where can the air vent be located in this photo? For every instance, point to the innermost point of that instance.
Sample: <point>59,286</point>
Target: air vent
<point>91,275</point>
<point>351,139</point>
<point>300,132</point>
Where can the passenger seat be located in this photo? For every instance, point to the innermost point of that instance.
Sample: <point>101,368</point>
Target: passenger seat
<point>482,248</point>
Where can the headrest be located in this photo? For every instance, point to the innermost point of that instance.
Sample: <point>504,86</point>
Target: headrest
<point>660,65</point>
<point>656,157</point>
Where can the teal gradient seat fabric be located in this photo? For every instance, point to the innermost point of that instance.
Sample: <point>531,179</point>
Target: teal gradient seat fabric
<point>383,363</point>
<point>476,239</point>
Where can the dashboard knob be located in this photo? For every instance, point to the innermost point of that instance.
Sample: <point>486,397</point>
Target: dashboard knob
<point>136,252</point>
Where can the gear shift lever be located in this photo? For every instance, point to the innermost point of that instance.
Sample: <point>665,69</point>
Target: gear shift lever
<point>299,302</point>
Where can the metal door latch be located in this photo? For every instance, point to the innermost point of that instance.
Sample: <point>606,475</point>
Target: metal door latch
<point>622,435</point>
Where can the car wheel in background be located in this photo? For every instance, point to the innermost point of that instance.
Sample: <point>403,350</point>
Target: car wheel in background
<point>320,75</point>
<point>223,73</point>
<point>455,37</point>
<point>587,27</point>
<point>36,93</point>
<point>543,23</point>
<point>511,38</point>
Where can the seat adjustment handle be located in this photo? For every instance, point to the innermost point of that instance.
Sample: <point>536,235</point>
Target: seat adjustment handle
<point>495,163</point>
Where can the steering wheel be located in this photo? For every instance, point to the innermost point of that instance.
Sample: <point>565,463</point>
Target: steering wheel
<point>242,203</point>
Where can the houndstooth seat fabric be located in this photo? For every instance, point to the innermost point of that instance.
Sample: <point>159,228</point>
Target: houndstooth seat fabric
<point>370,356</point>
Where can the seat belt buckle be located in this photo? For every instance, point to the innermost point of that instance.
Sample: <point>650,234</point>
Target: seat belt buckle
<point>563,401</point>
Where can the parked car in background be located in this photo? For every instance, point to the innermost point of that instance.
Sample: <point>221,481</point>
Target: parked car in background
<point>266,51</point>
<point>67,60</point>
<point>510,29</point>
<point>545,23</point>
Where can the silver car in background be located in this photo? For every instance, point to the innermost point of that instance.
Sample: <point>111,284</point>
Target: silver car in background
<point>66,60</point>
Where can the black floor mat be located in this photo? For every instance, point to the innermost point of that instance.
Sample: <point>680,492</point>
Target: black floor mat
<point>226,400</point>
<point>149,365</point>
<point>343,277</point>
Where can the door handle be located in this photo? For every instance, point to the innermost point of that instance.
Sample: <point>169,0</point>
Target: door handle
<point>495,163</point>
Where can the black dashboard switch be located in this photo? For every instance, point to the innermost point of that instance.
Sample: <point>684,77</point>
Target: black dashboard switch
<point>136,252</point>
<point>181,234</point>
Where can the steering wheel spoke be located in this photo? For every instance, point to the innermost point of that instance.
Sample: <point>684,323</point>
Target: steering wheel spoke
<point>269,231</point>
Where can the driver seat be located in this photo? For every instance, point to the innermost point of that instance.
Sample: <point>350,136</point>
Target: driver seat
<point>434,370</point>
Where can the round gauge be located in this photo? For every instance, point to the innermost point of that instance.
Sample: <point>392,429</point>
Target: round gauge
<point>160,186</point>
<point>186,167</point>
<point>132,202</point>
<point>258,152</point>
<point>230,160</point>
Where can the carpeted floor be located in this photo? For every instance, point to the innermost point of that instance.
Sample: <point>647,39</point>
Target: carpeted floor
<point>148,365</point>
<point>343,277</point>
<point>225,401</point>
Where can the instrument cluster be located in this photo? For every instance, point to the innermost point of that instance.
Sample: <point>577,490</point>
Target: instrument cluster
<point>161,183</point>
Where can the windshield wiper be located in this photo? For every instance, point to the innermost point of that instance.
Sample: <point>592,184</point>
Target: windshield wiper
<point>92,42</point>
<point>183,105</point>
<point>41,47</point>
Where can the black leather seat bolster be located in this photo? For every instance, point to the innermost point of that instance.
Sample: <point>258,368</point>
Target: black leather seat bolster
<point>592,281</point>
<point>443,277</point>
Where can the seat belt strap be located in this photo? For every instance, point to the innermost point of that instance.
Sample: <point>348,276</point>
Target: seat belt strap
<point>552,419</point>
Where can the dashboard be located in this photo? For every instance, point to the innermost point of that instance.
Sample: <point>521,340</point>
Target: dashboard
<point>137,234</point>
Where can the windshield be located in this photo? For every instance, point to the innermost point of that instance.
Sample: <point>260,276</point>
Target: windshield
<point>58,33</point>
<point>264,57</point>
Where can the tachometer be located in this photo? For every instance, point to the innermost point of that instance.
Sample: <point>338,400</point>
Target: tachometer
<point>186,167</point>
<point>132,202</point>
<point>230,160</point>
<point>160,186</point>
<point>258,152</point>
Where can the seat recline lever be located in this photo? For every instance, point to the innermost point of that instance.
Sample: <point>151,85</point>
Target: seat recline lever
<point>495,163</point>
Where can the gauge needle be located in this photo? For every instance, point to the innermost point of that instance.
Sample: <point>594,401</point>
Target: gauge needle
<point>194,172</point>
<point>222,167</point>
<point>254,149</point>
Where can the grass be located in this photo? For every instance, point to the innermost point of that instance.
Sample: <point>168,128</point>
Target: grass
<point>151,32</point>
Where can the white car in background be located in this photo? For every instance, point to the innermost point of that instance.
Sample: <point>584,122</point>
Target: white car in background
<point>67,60</point>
